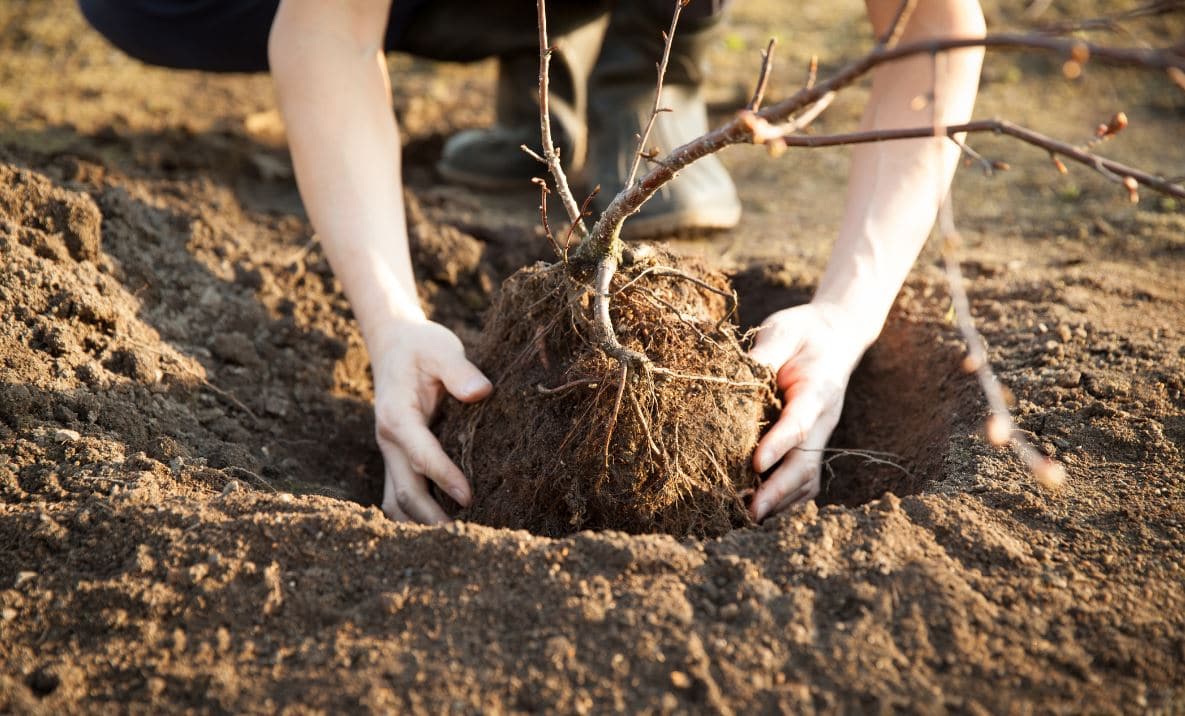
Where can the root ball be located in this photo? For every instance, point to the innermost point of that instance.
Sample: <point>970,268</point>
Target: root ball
<point>572,440</point>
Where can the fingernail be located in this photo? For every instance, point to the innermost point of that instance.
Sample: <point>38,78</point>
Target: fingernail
<point>760,462</point>
<point>460,496</point>
<point>475,385</point>
<point>759,511</point>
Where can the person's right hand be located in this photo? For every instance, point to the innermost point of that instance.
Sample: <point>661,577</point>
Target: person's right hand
<point>414,363</point>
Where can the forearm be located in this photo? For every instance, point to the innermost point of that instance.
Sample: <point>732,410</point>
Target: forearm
<point>333,93</point>
<point>896,187</point>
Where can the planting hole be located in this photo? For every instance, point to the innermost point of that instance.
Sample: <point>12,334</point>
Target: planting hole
<point>907,403</point>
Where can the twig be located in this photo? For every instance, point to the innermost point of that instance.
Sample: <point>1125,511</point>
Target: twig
<point>196,375</point>
<point>767,66</point>
<point>1001,429</point>
<point>543,192</point>
<point>550,153</point>
<point>897,26</point>
<point>671,272</point>
<point>773,136</point>
<point>735,131</point>
<point>583,212</point>
<point>989,167</point>
<point>668,39</point>
<point>299,255</point>
<point>1111,169</point>
<point>1115,22</point>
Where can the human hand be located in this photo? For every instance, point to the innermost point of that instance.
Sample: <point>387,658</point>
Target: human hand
<point>812,350</point>
<point>414,362</point>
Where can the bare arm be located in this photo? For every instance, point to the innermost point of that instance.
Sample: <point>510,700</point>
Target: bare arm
<point>894,192</point>
<point>896,187</point>
<point>333,91</point>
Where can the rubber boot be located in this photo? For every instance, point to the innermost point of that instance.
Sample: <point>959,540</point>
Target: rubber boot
<point>621,97</point>
<point>491,157</point>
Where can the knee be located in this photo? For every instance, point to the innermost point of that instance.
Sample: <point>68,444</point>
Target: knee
<point>225,36</point>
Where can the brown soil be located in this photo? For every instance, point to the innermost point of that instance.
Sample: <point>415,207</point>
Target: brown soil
<point>574,440</point>
<point>187,477</point>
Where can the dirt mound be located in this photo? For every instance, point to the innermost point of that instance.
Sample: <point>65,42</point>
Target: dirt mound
<point>574,440</point>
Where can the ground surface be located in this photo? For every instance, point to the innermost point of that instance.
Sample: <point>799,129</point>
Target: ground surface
<point>185,459</point>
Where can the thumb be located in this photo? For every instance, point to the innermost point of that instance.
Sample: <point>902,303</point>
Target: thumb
<point>463,380</point>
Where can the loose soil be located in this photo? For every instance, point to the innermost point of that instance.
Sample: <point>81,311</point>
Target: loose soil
<point>187,477</point>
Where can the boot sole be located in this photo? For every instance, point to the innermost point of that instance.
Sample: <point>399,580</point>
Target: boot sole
<point>691,221</point>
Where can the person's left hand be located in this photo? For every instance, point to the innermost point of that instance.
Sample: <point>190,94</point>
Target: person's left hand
<point>812,350</point>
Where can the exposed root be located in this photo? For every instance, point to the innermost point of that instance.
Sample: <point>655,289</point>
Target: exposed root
<point>870,457</point>
<point>625,374</point>
<point>567,386</point>
<point>606,336</point>
<point>668,373</point>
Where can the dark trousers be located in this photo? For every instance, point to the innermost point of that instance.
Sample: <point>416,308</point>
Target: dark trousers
<point>231,35</point>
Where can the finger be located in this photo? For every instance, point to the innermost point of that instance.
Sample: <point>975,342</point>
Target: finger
<point>420,449</point>
<point>409,491</point>
<point>463,380</point>
<point>776,343</point>
<point>775,350</point>
<point>800,415</point>
<point>390,506</point>
<point>810,492</point>
<point>786,484</point>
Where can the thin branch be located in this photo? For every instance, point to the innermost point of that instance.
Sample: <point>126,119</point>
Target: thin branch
<point>767,66</point>
<point>987,165</point>
<point>668,40</point>
<point>735,131</point>
<point>1115,22</point>
<point>1001,429</point>
<point>897,26</point>
<point>1107,167</point>
<point>773,136</point>
<point>543,192</point>
<point>572,225</point>
<point>550,153</point>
